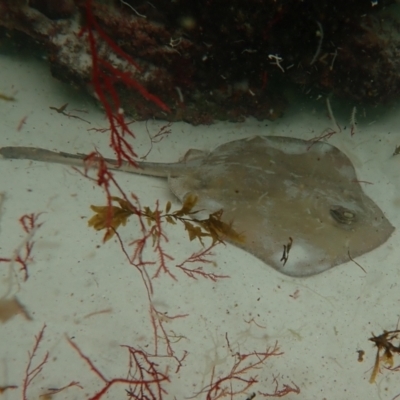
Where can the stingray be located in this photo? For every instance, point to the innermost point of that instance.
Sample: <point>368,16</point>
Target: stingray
<point>300,208</point>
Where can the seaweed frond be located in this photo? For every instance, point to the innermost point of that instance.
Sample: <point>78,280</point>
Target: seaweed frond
<point>385,349</point>
<point>213,227</point>
<point>110,218</point>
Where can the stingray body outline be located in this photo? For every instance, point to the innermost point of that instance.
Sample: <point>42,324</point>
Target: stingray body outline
<point>274,190</point>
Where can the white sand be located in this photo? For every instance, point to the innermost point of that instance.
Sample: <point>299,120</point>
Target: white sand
<point>86,290</point>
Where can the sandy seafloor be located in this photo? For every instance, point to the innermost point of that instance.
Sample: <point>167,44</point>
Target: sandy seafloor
<point>85,290</point>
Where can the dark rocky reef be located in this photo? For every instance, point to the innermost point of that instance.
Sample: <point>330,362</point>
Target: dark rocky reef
<point>216,59</point>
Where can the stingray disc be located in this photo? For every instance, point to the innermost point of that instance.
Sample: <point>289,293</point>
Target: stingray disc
<point>277,190</point>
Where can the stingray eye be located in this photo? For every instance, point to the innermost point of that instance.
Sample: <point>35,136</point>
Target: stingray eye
<point>343,215</point>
